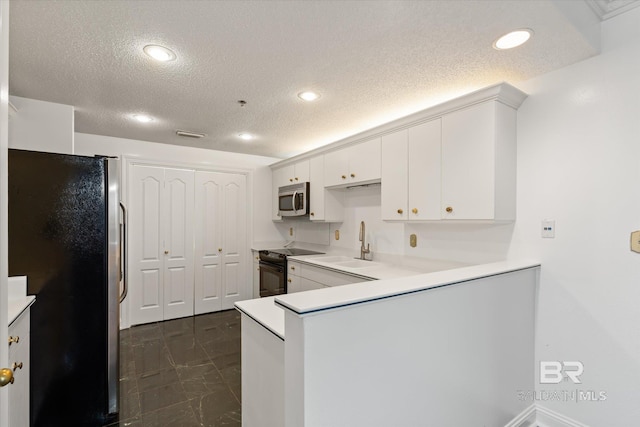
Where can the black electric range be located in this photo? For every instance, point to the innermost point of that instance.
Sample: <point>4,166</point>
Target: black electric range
<point>273,269</point>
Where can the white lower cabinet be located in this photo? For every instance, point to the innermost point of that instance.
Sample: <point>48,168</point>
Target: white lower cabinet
<point>220,243</point>
<point>19,363</point>
<point>187,242</point>
<point>304,277</point>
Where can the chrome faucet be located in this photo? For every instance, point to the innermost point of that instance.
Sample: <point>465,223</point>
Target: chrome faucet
<point>363,251</point>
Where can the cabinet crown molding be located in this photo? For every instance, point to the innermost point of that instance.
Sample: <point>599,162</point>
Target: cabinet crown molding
<point>501,92</point>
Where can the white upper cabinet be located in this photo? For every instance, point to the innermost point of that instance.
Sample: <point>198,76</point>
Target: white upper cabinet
<point>411,173</point>
<point>325,205</point>
<point>292,174</point>
<point>353,165</point>
<point>287,175</point>
<point>479,163</point>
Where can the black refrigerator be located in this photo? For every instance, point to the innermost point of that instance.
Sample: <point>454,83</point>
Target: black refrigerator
<point>65,234</point>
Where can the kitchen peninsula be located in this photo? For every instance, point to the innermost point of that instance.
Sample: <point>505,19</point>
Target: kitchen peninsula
<point>441,348</point>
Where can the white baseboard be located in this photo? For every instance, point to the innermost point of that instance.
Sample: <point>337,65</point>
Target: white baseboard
<point>539,416</point>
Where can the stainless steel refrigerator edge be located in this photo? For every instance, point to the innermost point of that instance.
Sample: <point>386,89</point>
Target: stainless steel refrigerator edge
<point>115,275</point>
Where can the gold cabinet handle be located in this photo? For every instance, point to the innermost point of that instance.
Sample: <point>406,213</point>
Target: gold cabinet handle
<point>257,257</point>
<point>289,280</point>
<point>312,214</point>
<point>290,179</point>
<point>166,252</point>
<point>353,175</point>
<point>219,249</point>
<point>292,267</point>
<point>344,176</point>
<point>296,178</point>
<point>449,209</point>
<point>415,211</point>
<point>15,339</point>
<point>6,377</point>
<point>400,211</point>
<point>17,365</point>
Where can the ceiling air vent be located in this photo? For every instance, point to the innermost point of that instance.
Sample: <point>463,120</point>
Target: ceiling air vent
<point>188,134</point>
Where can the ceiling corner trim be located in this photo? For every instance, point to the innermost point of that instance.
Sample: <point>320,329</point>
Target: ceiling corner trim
<point>606,9</point>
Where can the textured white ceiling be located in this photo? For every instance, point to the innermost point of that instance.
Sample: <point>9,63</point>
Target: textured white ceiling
<point>372,61</point>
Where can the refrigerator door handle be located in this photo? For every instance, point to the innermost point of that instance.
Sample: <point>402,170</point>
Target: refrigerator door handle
<point>123,252</point>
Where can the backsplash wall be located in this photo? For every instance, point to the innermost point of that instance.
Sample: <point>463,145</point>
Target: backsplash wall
<point>463,242</point>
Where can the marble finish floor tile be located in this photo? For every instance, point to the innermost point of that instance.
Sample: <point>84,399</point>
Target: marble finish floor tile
<point>182,372</point>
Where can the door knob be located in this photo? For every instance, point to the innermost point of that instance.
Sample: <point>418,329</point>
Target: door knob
<point>400,211</point>
<point>166,252</point>
<point>415,211</point>
<point>449,209</point>
<point>6,377</point>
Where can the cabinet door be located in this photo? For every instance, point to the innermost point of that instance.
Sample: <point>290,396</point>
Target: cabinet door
<point>19,354</point>
<point>234,240</point>
<point>468,163</point>
<point>146,245</point>
<point>336,167</point>
<point>208,270</point>
<point>394,191</point>
<point>301,171</point>
<point>316,189</point>
<point>283,176</point>
<point>364,161</point>
<point>293,284</point>
<point>309,285</point>
<point>424,171</point>
<point>178,243</point>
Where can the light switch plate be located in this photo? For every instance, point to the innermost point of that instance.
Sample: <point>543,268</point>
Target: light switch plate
<point>548,228</point>
<point>635,241</point>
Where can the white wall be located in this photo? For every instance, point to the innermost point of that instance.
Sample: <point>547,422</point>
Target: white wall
<point>579,163</point>
<point>263,228</point>
<point>41,126</point>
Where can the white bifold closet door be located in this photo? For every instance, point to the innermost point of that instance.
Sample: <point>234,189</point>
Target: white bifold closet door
<point>161,243</point>
<point>221,241</point>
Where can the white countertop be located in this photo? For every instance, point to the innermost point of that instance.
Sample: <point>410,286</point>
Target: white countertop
<point>340,296</point>
<point>266,312</point>
<point>17,297</point>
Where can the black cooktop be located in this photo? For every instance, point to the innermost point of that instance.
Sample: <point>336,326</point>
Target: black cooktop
<point>294,252</point>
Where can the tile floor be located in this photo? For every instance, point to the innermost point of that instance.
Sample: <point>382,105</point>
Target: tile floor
<point>183,372</point>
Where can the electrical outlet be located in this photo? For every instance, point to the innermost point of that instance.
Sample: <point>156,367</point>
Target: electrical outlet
<point>548,228</point>
<point>413,240</point>
<point>635,241</point>
<point>337,234</point>
<point>290,231</point>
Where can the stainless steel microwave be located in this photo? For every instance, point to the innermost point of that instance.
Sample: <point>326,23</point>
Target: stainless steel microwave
<point>293,200</point>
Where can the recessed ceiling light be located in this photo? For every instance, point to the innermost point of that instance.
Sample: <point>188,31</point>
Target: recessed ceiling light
<point>142,118</point>
<point>308,96</point>
<point>513,39</point>
<point>159,53</point>
<point>245,136</point>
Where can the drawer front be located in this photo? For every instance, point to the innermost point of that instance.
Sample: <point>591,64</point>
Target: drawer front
<point>328,277</point>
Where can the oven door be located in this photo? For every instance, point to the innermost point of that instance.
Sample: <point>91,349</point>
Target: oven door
<point>272,279</point>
